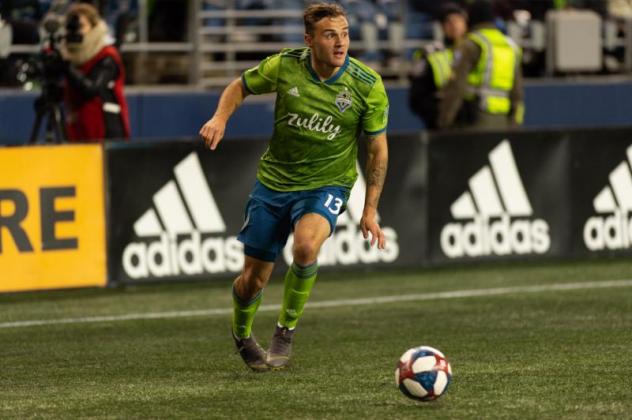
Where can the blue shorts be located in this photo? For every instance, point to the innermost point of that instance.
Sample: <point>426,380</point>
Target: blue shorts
<point>271,215</point>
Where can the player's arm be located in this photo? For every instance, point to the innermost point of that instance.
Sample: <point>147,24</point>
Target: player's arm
<point>377,163</point>
<point>213,130</point>
<point>257,80</point>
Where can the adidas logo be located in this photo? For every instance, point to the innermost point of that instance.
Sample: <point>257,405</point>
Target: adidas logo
<point>347,245</point>
<point>613,230</point>
<point>499,214</point>
<point>179,232</point>
<point>294,92</point>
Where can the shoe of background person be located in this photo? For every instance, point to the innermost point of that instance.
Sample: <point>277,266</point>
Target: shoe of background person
<point>280,348</point>
<point>253,355</point>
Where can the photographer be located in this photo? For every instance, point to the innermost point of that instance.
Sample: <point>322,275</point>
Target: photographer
<point>93,91</point>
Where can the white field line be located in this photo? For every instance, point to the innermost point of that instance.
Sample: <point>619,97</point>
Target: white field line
<point>456,294</point>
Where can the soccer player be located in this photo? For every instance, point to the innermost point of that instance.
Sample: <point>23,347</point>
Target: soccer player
<point>324,100</point>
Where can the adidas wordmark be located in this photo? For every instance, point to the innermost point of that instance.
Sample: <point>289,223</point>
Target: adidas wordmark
<point>612,229</point>
<point>180,237</point>
<point>495,215</point>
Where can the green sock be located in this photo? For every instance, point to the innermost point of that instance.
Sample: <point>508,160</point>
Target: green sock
<point>298,284</point>
<point>244,314</point>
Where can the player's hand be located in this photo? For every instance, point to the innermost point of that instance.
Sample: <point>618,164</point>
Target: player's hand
<point>369,225</point>
<point>212,132</point>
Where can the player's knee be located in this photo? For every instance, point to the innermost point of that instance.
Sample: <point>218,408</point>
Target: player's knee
<point>250,283</point>
<point>305,251</point>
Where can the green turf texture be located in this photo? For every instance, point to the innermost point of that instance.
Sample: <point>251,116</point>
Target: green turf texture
<point>560,354</point>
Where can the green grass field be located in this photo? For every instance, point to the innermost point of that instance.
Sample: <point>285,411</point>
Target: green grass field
<point>548,352</point>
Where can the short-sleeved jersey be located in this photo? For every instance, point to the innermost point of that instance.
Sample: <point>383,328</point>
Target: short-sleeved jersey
<point>316,123</point>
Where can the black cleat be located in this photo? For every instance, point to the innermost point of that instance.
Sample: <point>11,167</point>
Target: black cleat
<point>253,355</point>
<point>280,348</point>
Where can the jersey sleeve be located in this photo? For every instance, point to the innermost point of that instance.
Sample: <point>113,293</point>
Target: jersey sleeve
<point>263,78</point>
<point>375,119</point>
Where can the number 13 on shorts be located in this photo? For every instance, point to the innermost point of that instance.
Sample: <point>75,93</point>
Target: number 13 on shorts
<point>333,204</point>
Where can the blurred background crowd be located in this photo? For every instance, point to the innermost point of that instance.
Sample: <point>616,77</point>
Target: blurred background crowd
<point>461,62</point>
<point>206,42</point>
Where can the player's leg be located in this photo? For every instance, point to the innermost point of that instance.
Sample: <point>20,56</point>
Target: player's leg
<point>247,293</point>
<point>310,233</point>
<point>264,233</point>
<point>314,220</point>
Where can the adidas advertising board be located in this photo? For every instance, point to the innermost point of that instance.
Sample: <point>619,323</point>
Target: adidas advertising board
<point>603,192</point>
<point>489,197</point>
<point>176,210</point>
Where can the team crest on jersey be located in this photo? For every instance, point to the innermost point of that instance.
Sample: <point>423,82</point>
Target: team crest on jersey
<point>343,100</point>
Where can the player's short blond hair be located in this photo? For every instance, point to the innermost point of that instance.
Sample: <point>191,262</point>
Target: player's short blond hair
<point>317,11</point>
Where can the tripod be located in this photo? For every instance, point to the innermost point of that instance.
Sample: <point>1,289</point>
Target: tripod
<point>47,106</point>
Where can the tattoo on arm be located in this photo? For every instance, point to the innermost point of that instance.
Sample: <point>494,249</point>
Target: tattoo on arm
<point>375,174</point>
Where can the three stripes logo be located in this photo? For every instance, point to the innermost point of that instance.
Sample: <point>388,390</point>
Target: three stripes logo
<point>495,215</point>
<point>294,92</point>
<point>180,234</point>
<point>612,229</point>
<point>347,245</point>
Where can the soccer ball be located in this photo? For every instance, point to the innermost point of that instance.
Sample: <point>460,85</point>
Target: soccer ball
<point>423,373</point>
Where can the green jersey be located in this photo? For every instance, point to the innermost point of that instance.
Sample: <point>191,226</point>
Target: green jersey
<point>316,123</point>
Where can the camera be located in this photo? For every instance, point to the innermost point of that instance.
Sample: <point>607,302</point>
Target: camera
<point>48,67</point>
<point>73,30</point>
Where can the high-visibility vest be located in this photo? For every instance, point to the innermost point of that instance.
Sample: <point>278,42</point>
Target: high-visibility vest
<point>440,61</point>
<point>441,64</point>
<point>493,76</point>
<point>559,4</point>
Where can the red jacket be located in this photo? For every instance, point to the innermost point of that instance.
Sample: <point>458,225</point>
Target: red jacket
<point>87,119</point>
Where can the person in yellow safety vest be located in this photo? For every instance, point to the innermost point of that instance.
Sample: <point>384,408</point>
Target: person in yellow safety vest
<point>431,67</point>
<point>486,74</point>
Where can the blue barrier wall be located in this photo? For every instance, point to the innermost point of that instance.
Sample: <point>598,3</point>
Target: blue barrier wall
<point>578,104</point>
<point>556,103</point>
